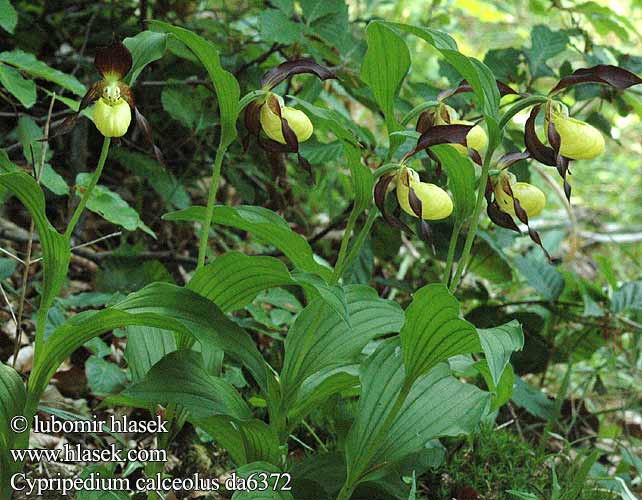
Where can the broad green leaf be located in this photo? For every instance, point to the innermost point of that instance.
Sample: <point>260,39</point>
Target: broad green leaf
<point>628,296</point>
<point>532,400</point>
<point>276,27</point>
<point>433,331</point>
<point>12,401</point>
<point>8,16</point>
<point>180,378</point>
<point>22,89</point>
<point>542,276</point>
<point>313,10</point>
<point>461,179</point>
<point>384,68</point>
<point>266,225</point>
<point>110,206</point>
<point>320,339</point>
<point>437,405</point>
<point>246,441</point>
<point>104,377</point>
<point>146,346</point>
<point>498,344</point>
<point>37,69</point>
<point>500,392</point>
<point>55,247</point>
<point>226,86</point>
<point>146,47</point>
<point>545,44</point>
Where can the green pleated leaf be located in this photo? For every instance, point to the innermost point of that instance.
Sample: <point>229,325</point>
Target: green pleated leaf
<point>12,401</point>
<point>498,344</point>
<point>266,225</point>
<point>8,16</point>
<point>37,69</point>
<point>501,391</point>
<point>226,86</point>
<point>55,248</point>
<point>437,405</point>
<point>145,347</point>
<point>542,276</point>
<point>433,331</point>
<point>319,339</point>
<point>22,89</point>
<point>384,68</point>
<point>180,378</point>
<point>461,179</point>
<point>628,296</point>
<point>146,47</point>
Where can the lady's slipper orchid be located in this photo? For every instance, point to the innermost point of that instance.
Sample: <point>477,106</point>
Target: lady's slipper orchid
<point>114,99</point>
<point>271,123</point>
<point>435,202</point>
<point>578,139</point>
<point>530,198</point>
<point>476,138</point>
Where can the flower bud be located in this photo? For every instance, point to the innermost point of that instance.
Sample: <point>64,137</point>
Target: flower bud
<point>530,198</point>
<point>112,120</point>
<point>579,140</point>
<point>435,202</point>
<point>297,121</point>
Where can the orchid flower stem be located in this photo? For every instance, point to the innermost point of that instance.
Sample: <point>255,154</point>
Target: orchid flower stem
<point>451,252</point>
<point>472,230</point>
<point>89,189</point>
<point>209,211</point>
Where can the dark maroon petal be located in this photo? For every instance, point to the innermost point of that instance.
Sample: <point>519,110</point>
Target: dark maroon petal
<point>603,73</point>
<point>562,169</point>
<point>93,94</point>
<point>145,127</point>
<point>474,155</point>
<point>523,217</point>
<point>440,134</point>
<point>276,75</point>
<point>113,61</point>
<point>414,202</point>
<point>554,138</point>
<point>305,165</point>
<point>501,218</point>
<point>425,121</point>
<point>510,159</point>
<point>380,191</point>
<point>535,147</point>
<point>127,94</point>
<point>425,233</point>
<point>464,86</point>
<point>253,117</point>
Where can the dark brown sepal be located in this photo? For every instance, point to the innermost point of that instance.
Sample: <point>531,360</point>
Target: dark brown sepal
<point>381,190</point>
<point>474,155</point>
<point>561,162</point>
<point>252,117</point>
<point>127,94</point>
<point>289,68</point>
<point>495,214</point>
<point>535,147</point>
<point>425,233</point>
<point>145,127</point>
<point>114,61</point>
<point>440,134</point>
<point>606,74</point>
<point>523,217</point>
<point>93,94</point>
<point>425,121</point>
<point>510,159</point>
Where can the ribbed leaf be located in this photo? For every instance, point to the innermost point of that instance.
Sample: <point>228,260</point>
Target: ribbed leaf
<point>180,378</point>
<point>384,68</point>
<point>146,346</point>
<point>320,339</point>
<point>437,405</point>
<point>498,344</point>
<point>264,224</point>
<point>542,276</point>
<point>12,401</point>
<point>433,330</point>
<point>55,248</point>
<point>145,47</point>
<point>226,86</point>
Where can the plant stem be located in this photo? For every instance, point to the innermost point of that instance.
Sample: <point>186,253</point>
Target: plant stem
<point>451,252</point>
<point>339,266</point>
<point>359,240</point>
<point>87,194</point>
<point>470,237</point>
<point>209,211</point>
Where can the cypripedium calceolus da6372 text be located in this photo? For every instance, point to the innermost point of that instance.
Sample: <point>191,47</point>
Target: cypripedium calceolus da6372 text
<point>113,98</point>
